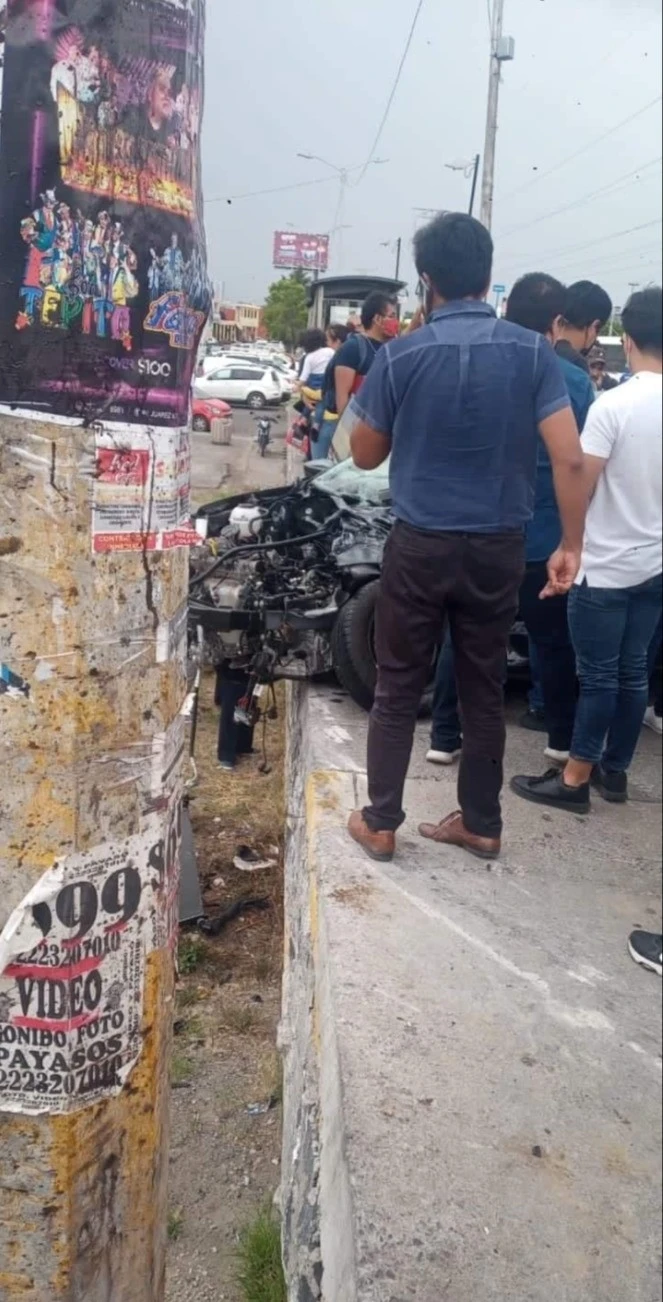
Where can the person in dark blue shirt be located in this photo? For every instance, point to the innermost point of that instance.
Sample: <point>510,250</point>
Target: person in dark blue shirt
<point>458,403</point>
<point>537,302</point>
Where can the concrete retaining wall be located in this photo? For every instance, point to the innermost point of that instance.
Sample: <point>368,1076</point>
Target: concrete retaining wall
<point>316,1197</point>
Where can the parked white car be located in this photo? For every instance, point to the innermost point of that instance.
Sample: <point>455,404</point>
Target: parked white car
<point>241,382</point>
<point>286,375</point>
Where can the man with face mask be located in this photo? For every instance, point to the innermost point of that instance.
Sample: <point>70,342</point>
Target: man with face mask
<point>355,357</point>
<point>615,603</point>
<point>458,403</point>
<point>587,310</point>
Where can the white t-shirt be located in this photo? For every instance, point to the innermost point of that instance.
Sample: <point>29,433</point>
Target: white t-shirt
<point>316,363</point>
<point>624,529</point>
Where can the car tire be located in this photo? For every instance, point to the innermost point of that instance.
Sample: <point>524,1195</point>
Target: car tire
<point>200,425</point>
<point>256,401</point>
<point>353,654</point>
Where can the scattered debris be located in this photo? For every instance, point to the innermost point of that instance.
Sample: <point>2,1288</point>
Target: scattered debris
<point>214,926</point>
<point>250,861</point>
<point>260,1109</point>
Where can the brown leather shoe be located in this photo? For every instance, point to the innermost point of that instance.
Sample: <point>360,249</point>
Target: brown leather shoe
<point>452,831</point>
<point>377,845</point>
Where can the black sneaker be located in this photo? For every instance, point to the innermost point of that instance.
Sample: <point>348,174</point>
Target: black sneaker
<point>647,950</point>
<point>534,721</point>
<point>612,786</point>
<point>552,790</point>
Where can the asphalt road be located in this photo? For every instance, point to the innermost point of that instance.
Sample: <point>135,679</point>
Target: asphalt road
<point>216,470</point>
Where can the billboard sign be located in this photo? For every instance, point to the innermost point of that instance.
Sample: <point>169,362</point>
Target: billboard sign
<point>292,250</point>
<point>104,292</point>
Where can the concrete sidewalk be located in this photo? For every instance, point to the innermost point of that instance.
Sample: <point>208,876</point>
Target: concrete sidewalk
<point>473,1070</point>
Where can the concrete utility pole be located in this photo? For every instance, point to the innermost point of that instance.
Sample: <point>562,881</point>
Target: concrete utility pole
<point>93,582</point>
<point>88,732</point>
<point>501,51</point>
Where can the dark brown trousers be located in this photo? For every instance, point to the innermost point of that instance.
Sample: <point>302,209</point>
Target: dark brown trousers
<point>471,580</point>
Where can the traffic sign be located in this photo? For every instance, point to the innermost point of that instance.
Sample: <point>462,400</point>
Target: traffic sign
<point>499,289</point>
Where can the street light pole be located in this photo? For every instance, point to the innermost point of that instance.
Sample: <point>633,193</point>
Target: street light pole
<point>501,51</point>
<point>468,169</point>
<point>399,246</point>
<point>475,178</point>
<point>343,174</point>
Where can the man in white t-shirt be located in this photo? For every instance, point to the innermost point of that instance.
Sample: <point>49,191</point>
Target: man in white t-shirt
<point>615,605</point>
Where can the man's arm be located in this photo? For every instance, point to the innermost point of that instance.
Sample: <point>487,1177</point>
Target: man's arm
<point>369,448</point>
<point>344,378</point>
<point>348,359</point>
<point>375,406</point>
<point>560,435</point>
<point>558,429</point>
<point>594,467</point>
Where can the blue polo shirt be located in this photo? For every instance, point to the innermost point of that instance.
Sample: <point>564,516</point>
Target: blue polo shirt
<point>544,532</point>
<point>461,400</point>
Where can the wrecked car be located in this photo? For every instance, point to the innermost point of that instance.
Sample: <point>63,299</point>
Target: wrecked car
<point>286,583</point>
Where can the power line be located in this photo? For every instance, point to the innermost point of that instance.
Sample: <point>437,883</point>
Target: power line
<point>577,203</point>
<point>560,253</point>
<point>392,96</point>
<point>583,149</point>
<point>277,189</point>
<point>631,258</point>
<point>603,239</point>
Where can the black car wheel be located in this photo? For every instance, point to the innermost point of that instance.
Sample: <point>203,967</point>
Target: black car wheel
<point>353,650</point>
<point>200,425</point>
<point>256,401</point>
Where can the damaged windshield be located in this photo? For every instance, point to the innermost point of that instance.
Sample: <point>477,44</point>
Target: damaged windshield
<point>346,480</point>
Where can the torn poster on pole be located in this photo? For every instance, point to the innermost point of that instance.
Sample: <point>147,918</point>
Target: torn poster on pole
<point>105,291</point>
<point>141,489</point>
<point>72,973</point>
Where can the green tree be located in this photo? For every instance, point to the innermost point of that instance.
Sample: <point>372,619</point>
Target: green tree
<point>286,309</point>
<point>614,327</point>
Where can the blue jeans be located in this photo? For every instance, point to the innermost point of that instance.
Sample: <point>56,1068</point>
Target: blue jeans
<point>446,732</point>
<point>535,694</point>
<point>611,630</point>
<point>320,449</point>
<point>654,669</point>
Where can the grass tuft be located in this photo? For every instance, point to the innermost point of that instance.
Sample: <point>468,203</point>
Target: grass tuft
<point>260,1275</point>
<point>191,953</point>
<point>175,1225</point>
<point>181,1069</point>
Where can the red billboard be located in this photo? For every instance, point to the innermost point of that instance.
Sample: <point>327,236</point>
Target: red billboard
<point>292,250</point>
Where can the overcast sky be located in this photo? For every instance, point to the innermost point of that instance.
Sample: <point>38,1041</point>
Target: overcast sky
<point>289,76</point>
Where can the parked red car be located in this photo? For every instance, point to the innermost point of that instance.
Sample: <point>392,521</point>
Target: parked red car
<point>205,410</point>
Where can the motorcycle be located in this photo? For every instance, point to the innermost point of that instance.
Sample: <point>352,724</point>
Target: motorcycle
<point>264,433</point>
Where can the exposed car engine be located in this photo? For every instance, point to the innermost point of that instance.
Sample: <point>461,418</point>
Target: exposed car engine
<point>277,566</point>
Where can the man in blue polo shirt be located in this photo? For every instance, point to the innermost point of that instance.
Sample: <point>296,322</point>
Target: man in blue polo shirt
<point>457,404</point>
<point>537,302</point>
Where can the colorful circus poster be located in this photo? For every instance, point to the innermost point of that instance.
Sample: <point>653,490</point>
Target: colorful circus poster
<point>101,208</point>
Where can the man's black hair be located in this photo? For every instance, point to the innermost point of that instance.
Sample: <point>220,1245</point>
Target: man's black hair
<point>456,252</point>
<point>536,301</point>
<point>312,340</point>
<point>339,332</point>
<point>642,320</point>
<point>377,304</point>
<point>586,303</point>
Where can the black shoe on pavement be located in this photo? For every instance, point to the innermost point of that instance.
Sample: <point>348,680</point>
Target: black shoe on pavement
<point>647,950</point>
<point>612,786</point>
<point>533,721</point>
<point>552,790</point>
